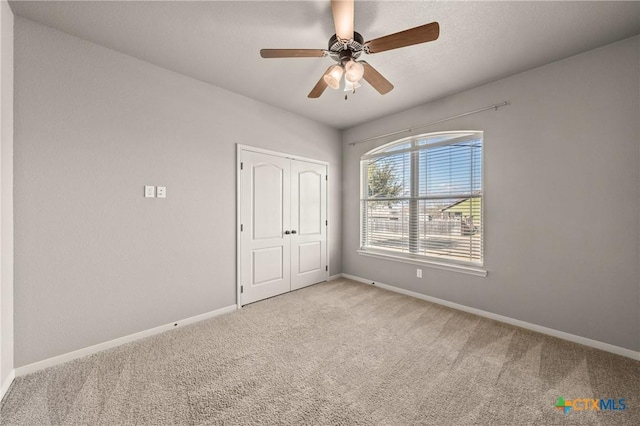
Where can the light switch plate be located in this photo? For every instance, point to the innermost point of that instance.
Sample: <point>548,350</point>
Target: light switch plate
<point>149,191</point>
<point>162,192</point>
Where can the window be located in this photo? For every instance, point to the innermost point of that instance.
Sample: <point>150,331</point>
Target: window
<point>421,199</point>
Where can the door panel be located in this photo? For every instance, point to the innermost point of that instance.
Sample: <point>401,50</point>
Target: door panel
<point>308,219</point>
<point>310,203</point>
<point>267,265</point>
<point>264,213</point>
<point>268,180</point>
<point>309,257</point>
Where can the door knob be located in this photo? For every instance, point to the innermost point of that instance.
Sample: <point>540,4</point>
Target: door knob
<point>293,232</point>
<point>286,232</point>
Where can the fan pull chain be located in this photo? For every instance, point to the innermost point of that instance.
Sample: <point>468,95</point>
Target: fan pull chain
<point>354,92</point>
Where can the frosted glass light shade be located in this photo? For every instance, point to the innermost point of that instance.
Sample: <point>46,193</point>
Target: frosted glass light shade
<point>349,86</point>
<point>353,71</point>
<point>332,78</point>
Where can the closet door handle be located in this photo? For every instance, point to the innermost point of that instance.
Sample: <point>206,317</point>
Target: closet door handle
<point>287,232</point>
<point>293,232</point>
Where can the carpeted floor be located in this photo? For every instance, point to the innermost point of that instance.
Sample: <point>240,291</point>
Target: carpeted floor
<point>334,353</point>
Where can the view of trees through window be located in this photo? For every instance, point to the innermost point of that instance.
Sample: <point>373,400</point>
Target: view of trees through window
<point>423,197</point>
<point>383,182</point>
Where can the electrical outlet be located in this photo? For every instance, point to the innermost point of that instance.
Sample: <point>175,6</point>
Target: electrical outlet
<point>419,273</point>
<point>149,191</point>
<point>162,192</point>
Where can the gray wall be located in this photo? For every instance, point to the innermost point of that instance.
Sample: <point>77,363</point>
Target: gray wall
<point>94,260</point>
<point>6,196</point>
<point>561,197</point>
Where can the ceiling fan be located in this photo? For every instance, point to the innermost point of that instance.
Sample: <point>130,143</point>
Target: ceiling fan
<point>346,46</point>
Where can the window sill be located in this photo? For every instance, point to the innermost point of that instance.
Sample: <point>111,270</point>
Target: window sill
<point>464,269</point>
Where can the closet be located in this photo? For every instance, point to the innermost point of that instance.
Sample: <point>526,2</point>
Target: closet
<point>282,204</point>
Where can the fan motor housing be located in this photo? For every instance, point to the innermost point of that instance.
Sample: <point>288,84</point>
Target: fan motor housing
<point>349,49</point>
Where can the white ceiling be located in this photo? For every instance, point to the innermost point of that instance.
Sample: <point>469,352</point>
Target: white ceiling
<point>219,42</point>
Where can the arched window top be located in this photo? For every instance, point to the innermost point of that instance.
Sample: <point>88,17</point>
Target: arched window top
<point>425,140</point>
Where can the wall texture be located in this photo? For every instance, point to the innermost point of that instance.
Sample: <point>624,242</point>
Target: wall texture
<point>94,260</point>
<point>6,193</point>
<point>562,171</point>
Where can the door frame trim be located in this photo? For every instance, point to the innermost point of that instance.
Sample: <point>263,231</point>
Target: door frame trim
<point>239,149</point>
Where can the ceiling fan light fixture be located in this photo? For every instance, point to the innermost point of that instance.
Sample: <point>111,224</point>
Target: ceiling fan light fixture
<point>353,71</point>
<point>333,76</point>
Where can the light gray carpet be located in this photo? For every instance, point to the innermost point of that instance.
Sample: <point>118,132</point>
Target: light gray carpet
<point>334,353</point>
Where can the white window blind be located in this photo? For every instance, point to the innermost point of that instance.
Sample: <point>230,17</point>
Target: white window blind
<point>422,198</point>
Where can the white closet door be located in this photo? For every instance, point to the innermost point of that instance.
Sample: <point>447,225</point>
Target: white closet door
<point>308,223</point>
<point>265,216</point>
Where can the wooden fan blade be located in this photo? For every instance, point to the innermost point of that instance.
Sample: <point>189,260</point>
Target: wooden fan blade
<point>417,35</point>
<point>343,11</point>
<point>375,79</point>
<point>320,86</point>
<point>292,53</point>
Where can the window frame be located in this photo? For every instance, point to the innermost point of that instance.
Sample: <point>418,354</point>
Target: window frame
<point>455,265</point>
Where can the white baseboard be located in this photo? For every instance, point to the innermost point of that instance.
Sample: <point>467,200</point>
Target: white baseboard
<point>518,323</point>
<point>69,356</point>
<point>334,277</point>
<point>7,383</point>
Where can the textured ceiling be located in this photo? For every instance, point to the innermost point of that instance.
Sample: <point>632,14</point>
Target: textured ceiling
<point>219,42</point>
